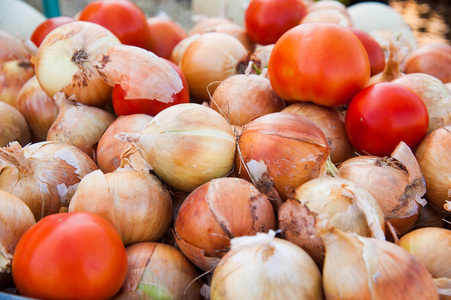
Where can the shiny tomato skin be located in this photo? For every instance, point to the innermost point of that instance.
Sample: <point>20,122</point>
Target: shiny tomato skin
<point>382,115</point>
<point>164,35</point>
<point>48,25</point>
<point>319,62</point>
<point>77,255</point>
<point>122,17</point>
<point>374,50</point>
<point>266,20</point>
<point>150,107</point>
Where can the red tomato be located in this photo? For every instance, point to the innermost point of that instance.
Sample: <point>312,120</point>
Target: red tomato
<point>319,62</point>
<point>382,115</point>
<point>48,25</point>
<point>122,17</point>
<point>164,34</point>
<point>267,20</point>
<point>124,106</point>
<point>75,255</point>
<point>374,50</point>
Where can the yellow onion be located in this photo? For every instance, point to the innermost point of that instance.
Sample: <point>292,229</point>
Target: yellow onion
<point>13,126</point>
<point>331,122</point>
<point>209,59</point>
<point>11,48</point>
<point>434,159</point>
<point>327,15</point>
<point>78,124</point>
<point>13,75</point>
<point>15,219</point>
<point>434,94</point>
<point>159,271</point>
<point>180,48</point>
<point>217,211</point>
<point>396,182</point>
<point>366,268</point>
<point>38,109</point>
<point>242,98</point>
<point>44,175</point>
<point>283,149</point>
<point>185,145</point>
<point>265,267</point>
<point>436,258</point>
<point>344,203</point>
<point>136,203</point>
<point>109,148</point>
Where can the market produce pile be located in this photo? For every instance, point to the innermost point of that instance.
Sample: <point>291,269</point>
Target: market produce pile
<point>304,153</point>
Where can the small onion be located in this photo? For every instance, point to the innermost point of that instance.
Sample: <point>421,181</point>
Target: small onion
<point>217,211</point>
<point>109,148</point>
<point>434,158</point>
<point>242,98</point>
<point>331,122</point>
<point>265,267</point>
<point>11,48</point>
<point>135,203</point>
<point>44,175</point>
<point>38,109</point>
<point>434,94</point>
<point>13,126</point>
<point>15,219</point>
<point>186,145</point>
<point>327,15</point>
<point>159,271</point>
<point>77,124</point>
<point>209,59</point>
<point>283,148</point>
<point>13,75</point>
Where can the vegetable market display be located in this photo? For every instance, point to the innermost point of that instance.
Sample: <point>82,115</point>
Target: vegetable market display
<point>301,153</point>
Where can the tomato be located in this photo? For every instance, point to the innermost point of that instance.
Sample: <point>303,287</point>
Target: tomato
<point>164,34</point>
<point>124,106</point>
<point>75,255</point>
<point>48,25</point>
<point>382,115</point>
<point>373,49</point>
<point>267,20</point>
<point>122,17</point>
<point>319,62</point>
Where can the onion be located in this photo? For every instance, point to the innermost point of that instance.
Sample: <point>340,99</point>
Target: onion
<point>77,124</point>
<point>159,271</point>
<point>434,94</point>
<point>135,203</point>
<point>180,48</point>
<point>11,48</point>
<point>327,15</point>
<point>13,126</point>
<point>372,269</point>
<point>186,145</point>
<point>328,4</point>
<point>435,162</point>
<point>209,59</point>
<point>13,75</point>
<point>67,58</point>
<point>109,148</point>
<point>331,122</point>
<point>217,211</point>
<point>396,182</point>
<point>265,267</point>
<point>433,59</point>
<point>15,219</point>
<point>38,109</point>
<point>429,217</point>
<point>281,149</point>
<point>261,55</point>
<point>392,69</point>
<point>242,98</point>
<point>345,204</point>
<point>44,175</point>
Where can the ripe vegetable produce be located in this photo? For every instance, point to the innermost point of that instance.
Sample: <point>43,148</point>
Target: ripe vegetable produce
<point>164,34</point>
<point>47,26</point>
<point>373,49</point>
<point>70,256</point>
<point>13,75</point>
<point>13,126</point>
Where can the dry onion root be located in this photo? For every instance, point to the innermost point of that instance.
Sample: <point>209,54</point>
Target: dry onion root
<point>44,175</point>
<point>217,211</point>
<point>13,126</point>
<point>159,271</point>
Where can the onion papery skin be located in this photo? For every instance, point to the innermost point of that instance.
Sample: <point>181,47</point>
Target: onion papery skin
<point>67,58</point>
<point>289,146</point>
<point>217,211</point>
<point>187,145</point>
<point>13,126</point>
<point>11,48</point>
<point>13,75</point>
<point>157,271</point>
<point>135,203</point>
<point>44,175</point>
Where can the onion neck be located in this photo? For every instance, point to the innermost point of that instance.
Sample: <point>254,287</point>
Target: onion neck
<point>5,262</point>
